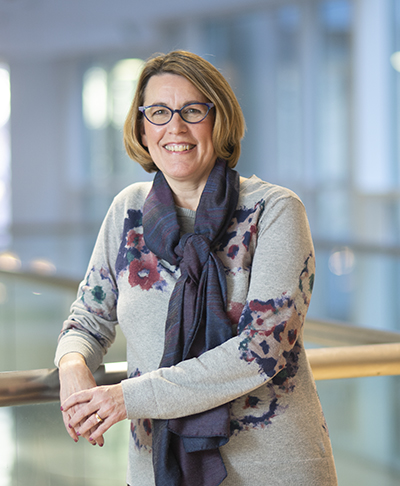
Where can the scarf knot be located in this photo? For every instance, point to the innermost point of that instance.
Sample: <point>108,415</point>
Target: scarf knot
<point>185,450</point>
<point>194,251</point>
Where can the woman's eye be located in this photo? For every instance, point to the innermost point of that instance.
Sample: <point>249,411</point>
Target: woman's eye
<point>192,111</point>
<point>159,112</point>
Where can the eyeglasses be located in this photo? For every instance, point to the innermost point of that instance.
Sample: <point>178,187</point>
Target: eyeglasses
<point>190,113</point>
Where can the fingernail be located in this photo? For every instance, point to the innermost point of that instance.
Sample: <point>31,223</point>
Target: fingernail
<point>101,445</point>
<point>62,410</point>
<point>76,440</point>
<point>70,426</point>
<point>78,434</point>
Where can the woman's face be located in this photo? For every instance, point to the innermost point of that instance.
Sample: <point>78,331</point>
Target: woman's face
<point>184,152</point>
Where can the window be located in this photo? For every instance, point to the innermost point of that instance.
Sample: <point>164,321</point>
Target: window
<point>106,98</point>
<point>4,155</point>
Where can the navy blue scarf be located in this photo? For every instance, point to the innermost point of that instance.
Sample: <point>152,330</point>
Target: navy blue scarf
<point>185,450</point>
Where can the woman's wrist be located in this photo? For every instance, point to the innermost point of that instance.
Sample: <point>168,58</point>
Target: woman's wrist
<point>72,359</point>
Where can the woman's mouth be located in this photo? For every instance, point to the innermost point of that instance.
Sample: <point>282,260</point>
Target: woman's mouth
<point>178,147</point>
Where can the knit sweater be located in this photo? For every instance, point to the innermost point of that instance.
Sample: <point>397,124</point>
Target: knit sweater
<point>278,432</point>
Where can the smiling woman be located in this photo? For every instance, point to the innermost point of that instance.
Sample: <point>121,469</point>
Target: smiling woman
<point>209,276</point>
<point>184,152</point>
<point>228,127</point>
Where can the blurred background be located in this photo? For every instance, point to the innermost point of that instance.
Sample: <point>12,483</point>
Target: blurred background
<point>319,85</point>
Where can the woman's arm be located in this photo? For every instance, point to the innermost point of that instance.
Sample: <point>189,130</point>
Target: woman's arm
<point>90,330</point>
<point>74,376</point>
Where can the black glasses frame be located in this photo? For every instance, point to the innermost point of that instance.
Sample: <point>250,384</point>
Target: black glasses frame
<point>143,109</point>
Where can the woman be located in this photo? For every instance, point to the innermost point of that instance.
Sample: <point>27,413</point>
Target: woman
<point>209,276</point>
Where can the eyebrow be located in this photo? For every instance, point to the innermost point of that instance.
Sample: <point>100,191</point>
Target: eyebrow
<point>161,103</point>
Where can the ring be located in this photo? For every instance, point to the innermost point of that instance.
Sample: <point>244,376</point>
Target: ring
<point>98,418</point>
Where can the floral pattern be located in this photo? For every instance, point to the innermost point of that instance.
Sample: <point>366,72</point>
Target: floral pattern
<point>141,434</point>
<point>269,337</point>
<point>260,417</point>
<point>143,266</point>
<point>257,413</point>
<point>141,429</point>
<point>237,247</point>
<point>98,298</point>
<point>265,326</point>
<point>75,325</point>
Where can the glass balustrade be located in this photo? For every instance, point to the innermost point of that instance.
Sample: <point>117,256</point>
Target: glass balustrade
<point>36,450</point>
<point>34,447</point>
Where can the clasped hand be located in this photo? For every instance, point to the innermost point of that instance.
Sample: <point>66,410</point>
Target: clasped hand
<point>88,410</point>
<point>92,412</point>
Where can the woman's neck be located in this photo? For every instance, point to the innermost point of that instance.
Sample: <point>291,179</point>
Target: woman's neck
<point>186,194</point>
<point>187,197</point>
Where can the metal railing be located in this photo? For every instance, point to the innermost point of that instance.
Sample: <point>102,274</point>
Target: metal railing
<point>41,386</point>
<point>376,353</point>
<point>353,352</point>
<point>65,283</point>
<point>355,361</point>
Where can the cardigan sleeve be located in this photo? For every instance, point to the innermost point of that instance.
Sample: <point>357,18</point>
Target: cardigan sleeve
<point>270,326</point>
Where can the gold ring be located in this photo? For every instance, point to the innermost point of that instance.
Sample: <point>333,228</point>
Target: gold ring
<point>98,418</point>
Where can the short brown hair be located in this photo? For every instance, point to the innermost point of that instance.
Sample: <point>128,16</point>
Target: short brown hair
<point>229,125</point>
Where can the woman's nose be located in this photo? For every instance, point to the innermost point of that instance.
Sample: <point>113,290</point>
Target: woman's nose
<point>176,124</point>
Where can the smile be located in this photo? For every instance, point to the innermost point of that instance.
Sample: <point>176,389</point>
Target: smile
<point>174,147</point>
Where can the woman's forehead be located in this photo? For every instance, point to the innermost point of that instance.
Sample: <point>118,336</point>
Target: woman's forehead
<point>167,88</point>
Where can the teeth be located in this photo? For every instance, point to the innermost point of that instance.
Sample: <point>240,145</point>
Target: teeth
<point>178,148</point>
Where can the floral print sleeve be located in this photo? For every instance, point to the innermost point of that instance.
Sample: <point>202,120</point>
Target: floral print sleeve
<point>94,310</point>
<point>269,329</point>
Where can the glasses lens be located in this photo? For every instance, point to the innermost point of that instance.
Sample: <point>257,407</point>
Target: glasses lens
<point>194,112</point>
<point>158,114</point>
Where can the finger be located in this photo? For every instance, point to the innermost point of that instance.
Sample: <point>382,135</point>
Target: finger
<point>71,431</point>
<point>97,437</point>
<point>67,422</point>
<point>82,413</point>
<point>92,435</point>
<point>91,424</point>
<point>77,398</point>
<point>94,428</point>
<point>84,410</point>
<point>98,440</point>
<point>97,432</point>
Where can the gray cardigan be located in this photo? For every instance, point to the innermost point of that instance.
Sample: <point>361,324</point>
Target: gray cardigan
<point>278,431</point>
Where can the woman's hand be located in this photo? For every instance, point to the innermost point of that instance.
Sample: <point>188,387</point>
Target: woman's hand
<point>74,376</point>
<point>93,411</point>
